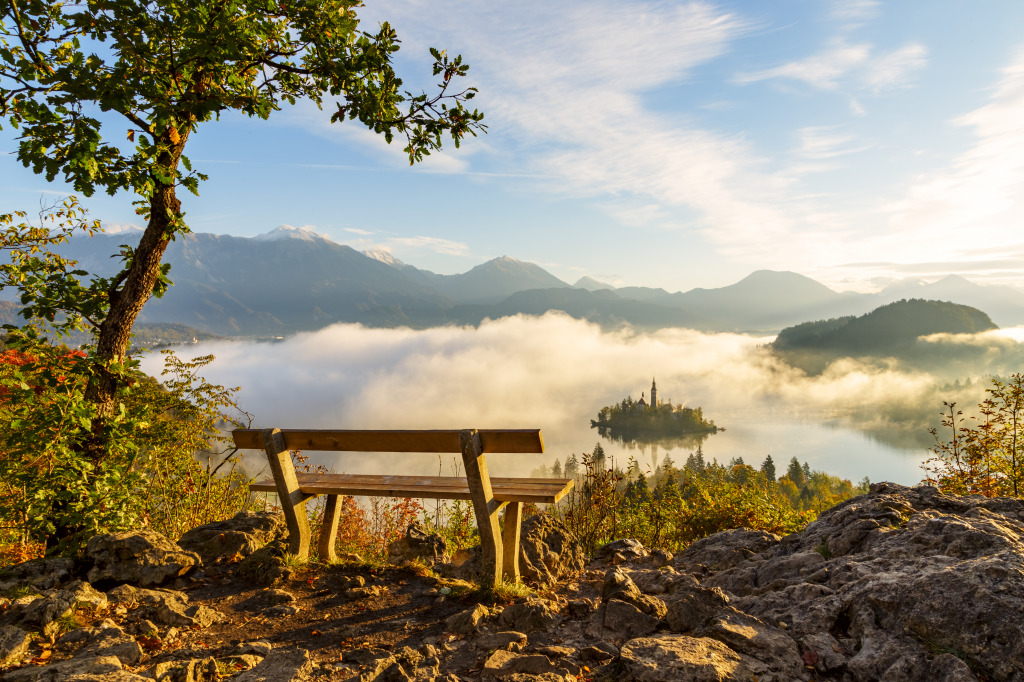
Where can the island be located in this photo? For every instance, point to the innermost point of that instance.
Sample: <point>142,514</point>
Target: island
<point>640,420</point>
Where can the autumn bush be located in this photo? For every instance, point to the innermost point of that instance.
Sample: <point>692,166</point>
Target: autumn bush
<point>982,454</point>
<point>672,507</point>
<point>169,465</point>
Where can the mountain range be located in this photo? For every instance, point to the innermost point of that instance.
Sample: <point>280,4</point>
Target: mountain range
<point>293,279</point>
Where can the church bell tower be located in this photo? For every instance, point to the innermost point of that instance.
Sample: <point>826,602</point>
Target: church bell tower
<point>654,394</point>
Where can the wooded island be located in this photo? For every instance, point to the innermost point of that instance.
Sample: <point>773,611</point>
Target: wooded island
<point>631,420</point>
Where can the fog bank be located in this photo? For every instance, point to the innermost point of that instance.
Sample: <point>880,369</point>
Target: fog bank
<point>551,372</point>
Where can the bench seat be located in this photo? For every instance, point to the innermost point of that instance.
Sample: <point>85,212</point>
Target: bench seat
<point>534,490</point>
<point>499,536</point>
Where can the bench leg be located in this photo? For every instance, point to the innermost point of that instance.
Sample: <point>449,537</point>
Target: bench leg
<point>329,530</point>
<point>510,539</point>
<point>293,502</point>
<point>484,505</point>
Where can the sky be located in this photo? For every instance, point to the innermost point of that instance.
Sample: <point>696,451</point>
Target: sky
<point>662,144</point>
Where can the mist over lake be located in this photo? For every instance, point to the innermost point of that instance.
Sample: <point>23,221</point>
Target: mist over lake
<point>855,419</point>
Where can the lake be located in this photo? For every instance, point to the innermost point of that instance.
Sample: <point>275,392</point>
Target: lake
<point>555,373</point>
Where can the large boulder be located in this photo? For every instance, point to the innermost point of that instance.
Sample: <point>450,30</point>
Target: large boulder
<point>235,538</point>
<point>141,557</point>
<point>899,584</point>
<point>37,574</point>
<point>729,548</point>
<point>548,551</point>
<point>669,658</point>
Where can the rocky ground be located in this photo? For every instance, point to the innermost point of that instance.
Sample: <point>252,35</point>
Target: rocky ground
<point>899,584</point>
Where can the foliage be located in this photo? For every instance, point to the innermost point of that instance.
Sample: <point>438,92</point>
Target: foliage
<point>984,454</point>
<point>157,70</point>
<point>673,507</point>
<point>153,477</point>
<point>188,462</point>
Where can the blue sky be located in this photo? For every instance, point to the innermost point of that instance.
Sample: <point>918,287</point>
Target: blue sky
<point>667,144</point>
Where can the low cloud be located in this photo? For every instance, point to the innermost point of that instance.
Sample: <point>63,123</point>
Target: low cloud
<point>551,372</point>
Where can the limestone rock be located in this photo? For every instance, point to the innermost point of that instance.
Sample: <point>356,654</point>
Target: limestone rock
<point>44,614</point>
<point>620,551</point>
<point>418,544</point>
<point>467,622</point>
<point>13,645</point>
<point>191,670</point>
<point>729,548</point>
<point>111,641</point>
<point>548,551</point>
<point>883,584</point>
<point>691,606</point>
<point>88,669</point>
<point>165,607</point>
<point>670,658</point>
<point>618,585</point>
<point>235,538</point>
<point>266,565</point>
<point>292,665</point>
<point>139,557</point>
<point>618,621</point>
<point>509,640</point>
<point>39,574</point>
<point>529,616</point>
<point>774,654</point>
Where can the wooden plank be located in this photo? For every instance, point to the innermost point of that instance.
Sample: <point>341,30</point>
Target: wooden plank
<point>433,441</point>
<point>292,500</point>
<point>430,487</point>
<point>484,505</point>
<point>510,530</point>
<point>329,529</point>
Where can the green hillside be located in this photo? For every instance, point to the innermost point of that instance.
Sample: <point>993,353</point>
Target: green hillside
<point>887,329</point>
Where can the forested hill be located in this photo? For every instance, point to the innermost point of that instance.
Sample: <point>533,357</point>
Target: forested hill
<point>885,329</point>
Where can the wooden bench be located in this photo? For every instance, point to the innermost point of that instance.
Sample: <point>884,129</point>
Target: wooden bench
<point>499,541</point>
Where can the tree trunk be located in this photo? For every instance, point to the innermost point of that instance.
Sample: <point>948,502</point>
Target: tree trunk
<point>139,280</point>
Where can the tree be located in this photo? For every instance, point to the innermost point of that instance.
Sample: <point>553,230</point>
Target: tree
<point>796,473</point>
<point>556,469</point>
<point>158,69</point>
<point>572,466</point>
<point>768,469</point>
<point>985,454</point>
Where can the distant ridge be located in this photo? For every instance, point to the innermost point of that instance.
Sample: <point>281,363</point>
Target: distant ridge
<point>889,328</point>
<point>591,284</point>
<point>293,279</point>
<point>492,281</point>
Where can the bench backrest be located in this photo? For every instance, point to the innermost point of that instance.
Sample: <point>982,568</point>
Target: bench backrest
<point>491,440</point>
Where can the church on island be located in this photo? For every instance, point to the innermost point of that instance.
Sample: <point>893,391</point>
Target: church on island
<point>642,404</point>
<point>629,418</point>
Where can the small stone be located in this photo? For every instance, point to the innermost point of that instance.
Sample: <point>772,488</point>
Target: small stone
<point>467,622</point>
<point>509,641</point>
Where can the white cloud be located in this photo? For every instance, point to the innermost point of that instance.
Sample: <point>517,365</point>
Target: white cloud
<point>823,71</point>
<point>980,194</point>
<point>823,142</point>
<point>434,244</point>
<point>842,63</point>
<point>895,68</point>
<point>356,230</point>
<point>855,10</point>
